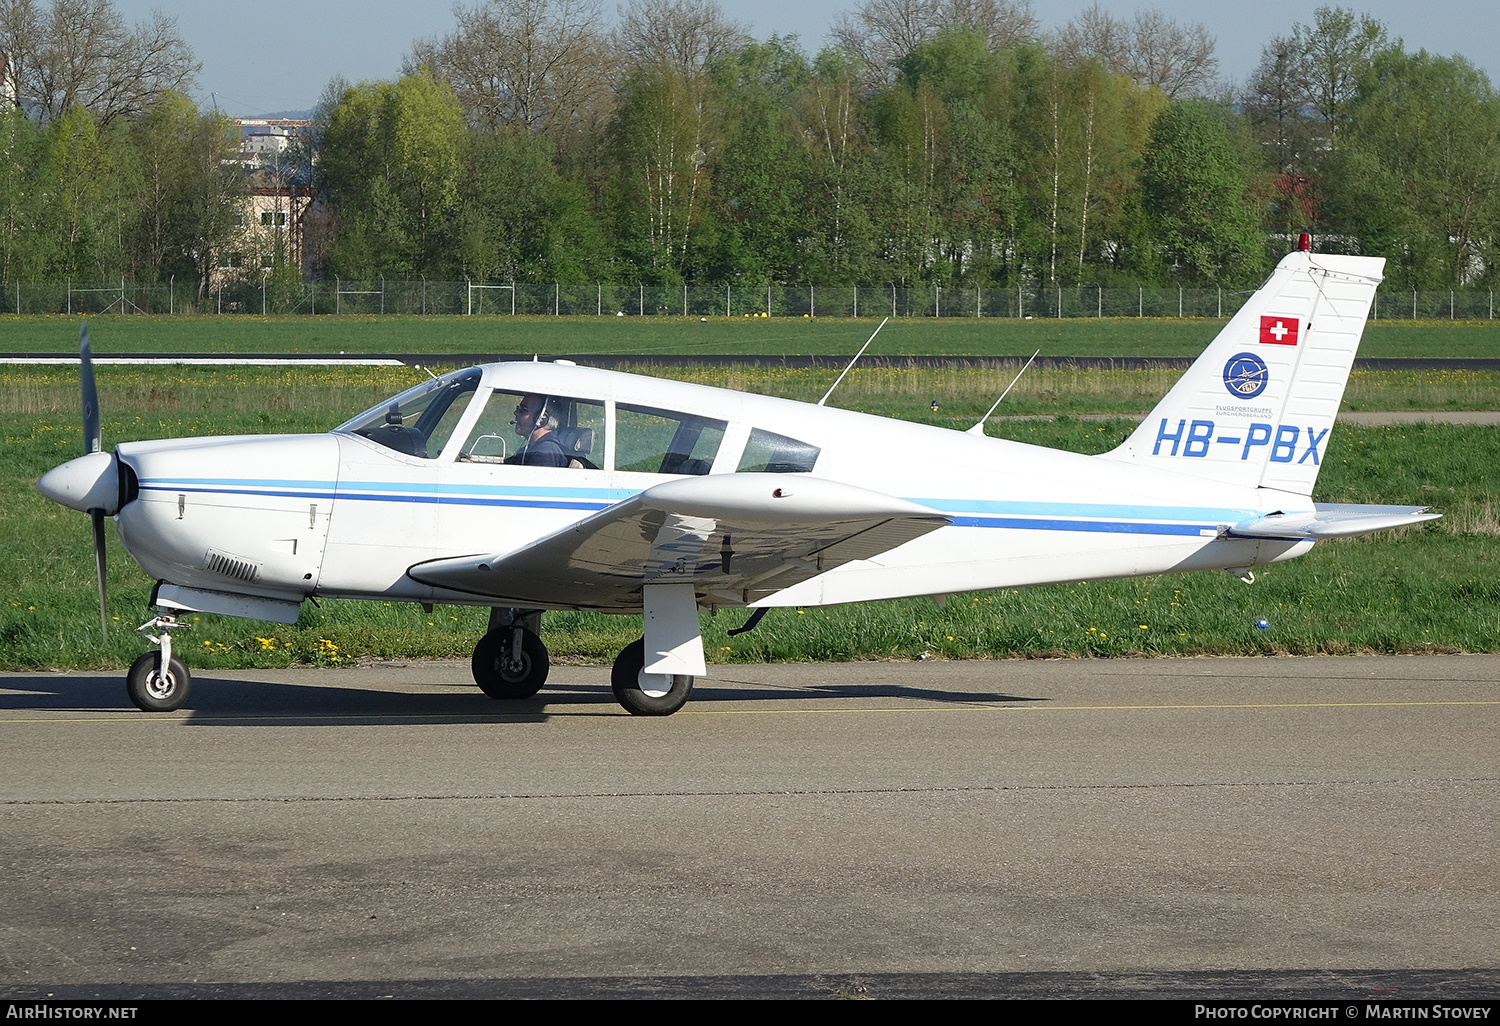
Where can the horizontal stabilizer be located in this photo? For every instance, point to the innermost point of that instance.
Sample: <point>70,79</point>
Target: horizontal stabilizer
<point>735,537</point>
<point>1332,520</point>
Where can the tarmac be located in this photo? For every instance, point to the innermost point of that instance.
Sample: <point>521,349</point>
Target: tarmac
<point>1185,828</point>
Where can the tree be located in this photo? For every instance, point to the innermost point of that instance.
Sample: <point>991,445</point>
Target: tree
<point>91,206</point>
<point>1335,51</point>
<point>542,65</point>
<point>760,173</point>
<point>885,31</point>
<point>391,166</point>
<point>685,35</point>
<point>665,133</point>
<point>1195,192</point>
<point>1419,176</point>
<point>839,236</point>
<point>519,219</point>
<point>1151,49</point>
<point>1278,102</point>
<point>24,242</point>
<point>79,53</point>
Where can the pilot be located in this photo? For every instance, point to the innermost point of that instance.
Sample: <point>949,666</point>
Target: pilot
<point>537,425</point>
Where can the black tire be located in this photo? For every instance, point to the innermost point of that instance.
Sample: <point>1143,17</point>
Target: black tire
<point>492,667</point>
<point>625,679</point>
<point>150,691</point>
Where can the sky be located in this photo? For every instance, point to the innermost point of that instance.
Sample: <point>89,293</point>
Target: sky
<point>277,55</point>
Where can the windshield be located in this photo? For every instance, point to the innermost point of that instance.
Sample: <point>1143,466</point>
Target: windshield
<point>419,421</point>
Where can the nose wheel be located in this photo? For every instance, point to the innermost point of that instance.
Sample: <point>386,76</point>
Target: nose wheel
<point>510,662</point>
<point>154,687</point>
<point>158,681</point>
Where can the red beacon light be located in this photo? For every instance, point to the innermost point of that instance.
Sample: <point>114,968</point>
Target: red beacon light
<point>1304,243</point>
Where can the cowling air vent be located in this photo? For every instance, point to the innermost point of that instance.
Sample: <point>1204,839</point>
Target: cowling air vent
<point>231,566</point>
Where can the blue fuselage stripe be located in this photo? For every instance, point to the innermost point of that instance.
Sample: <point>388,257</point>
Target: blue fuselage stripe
<point>1102,518</point>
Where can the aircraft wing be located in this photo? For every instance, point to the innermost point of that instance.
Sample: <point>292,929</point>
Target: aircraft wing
<point>1332,520</point>
<point>735,537</point>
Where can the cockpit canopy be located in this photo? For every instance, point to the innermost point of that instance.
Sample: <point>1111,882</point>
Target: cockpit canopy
<point>590,433</point>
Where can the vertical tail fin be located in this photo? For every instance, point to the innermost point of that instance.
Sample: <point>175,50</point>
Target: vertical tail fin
<point>1257,407</point>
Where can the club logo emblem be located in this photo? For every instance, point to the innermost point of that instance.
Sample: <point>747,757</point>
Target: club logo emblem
<point>1245,375</point>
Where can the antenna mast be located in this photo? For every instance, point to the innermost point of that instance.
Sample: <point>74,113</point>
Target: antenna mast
<point>853,362</point>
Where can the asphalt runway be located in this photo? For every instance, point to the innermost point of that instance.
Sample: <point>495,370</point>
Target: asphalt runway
<point>1171,827</point>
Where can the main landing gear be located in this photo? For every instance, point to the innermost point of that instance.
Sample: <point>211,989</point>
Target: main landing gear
<point>647,694</point>
<point>510,661</point>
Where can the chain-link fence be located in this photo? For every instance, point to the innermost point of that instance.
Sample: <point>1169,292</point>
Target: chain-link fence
<point>389,296</point>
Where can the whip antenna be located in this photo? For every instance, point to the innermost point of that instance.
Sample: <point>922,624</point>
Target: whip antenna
<point>853,362</point>
<point>978,429</point>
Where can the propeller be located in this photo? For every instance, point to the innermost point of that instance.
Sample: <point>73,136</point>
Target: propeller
<point>92,443</point>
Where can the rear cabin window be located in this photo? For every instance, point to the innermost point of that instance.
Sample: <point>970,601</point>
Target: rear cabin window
<point>650,441</point>
<point>770,453</point>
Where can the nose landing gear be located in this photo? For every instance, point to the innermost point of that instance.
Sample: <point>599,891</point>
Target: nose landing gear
<point>158,681</point>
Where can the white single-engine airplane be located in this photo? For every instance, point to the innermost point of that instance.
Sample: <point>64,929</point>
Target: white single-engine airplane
<point>629,494</point>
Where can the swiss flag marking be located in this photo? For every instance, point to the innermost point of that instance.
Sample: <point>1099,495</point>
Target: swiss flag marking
<point>1278,331</point>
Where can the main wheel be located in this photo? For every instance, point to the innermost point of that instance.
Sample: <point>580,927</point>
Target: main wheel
<point>647,694</point>
<point>499,674</point>
<point>154,691</point>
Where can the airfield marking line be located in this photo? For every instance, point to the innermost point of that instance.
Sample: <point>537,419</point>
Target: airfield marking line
<point>511,717</point>
<point>1082,708</point>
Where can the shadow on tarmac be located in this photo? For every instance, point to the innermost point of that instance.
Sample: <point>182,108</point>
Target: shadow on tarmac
<point>262,702</point>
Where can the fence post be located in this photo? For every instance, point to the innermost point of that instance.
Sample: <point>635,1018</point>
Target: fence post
<point>726,300</point>
<point>812,300</point>
<point>70,297</point>
<point>1179,302</point>
<point>1101,301</point>
<point>643,299</point>
<point>856,302</point>
<point>1451,312</point>
<point>1020,302</point>
<point>598,299</point>
<point>1140,301</point>
<point>263,294</point>
<point>1059,302</point>
<point>338,296</point>
<point>513,297</point>
<point>1221,300</point>
<point>684,299</point>
<point>171,296</point>
<point>557,298</point>
<point>1413,304</point>
<point>424,295</point>
<point>893,299</point>
<point>937,290</point>
<point>382,295</point>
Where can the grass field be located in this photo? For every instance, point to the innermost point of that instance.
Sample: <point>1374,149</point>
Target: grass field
<point>245,334</point>
<point>1431,588</point>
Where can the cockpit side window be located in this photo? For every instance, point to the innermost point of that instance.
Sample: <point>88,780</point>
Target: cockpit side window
<point>652,441</point>
<point>562,431</point>
<point>419,421</point>
<point>770,453</point>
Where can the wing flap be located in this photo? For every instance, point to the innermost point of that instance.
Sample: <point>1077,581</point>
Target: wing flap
<point>738,537</point>
<point>1332,520</point>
